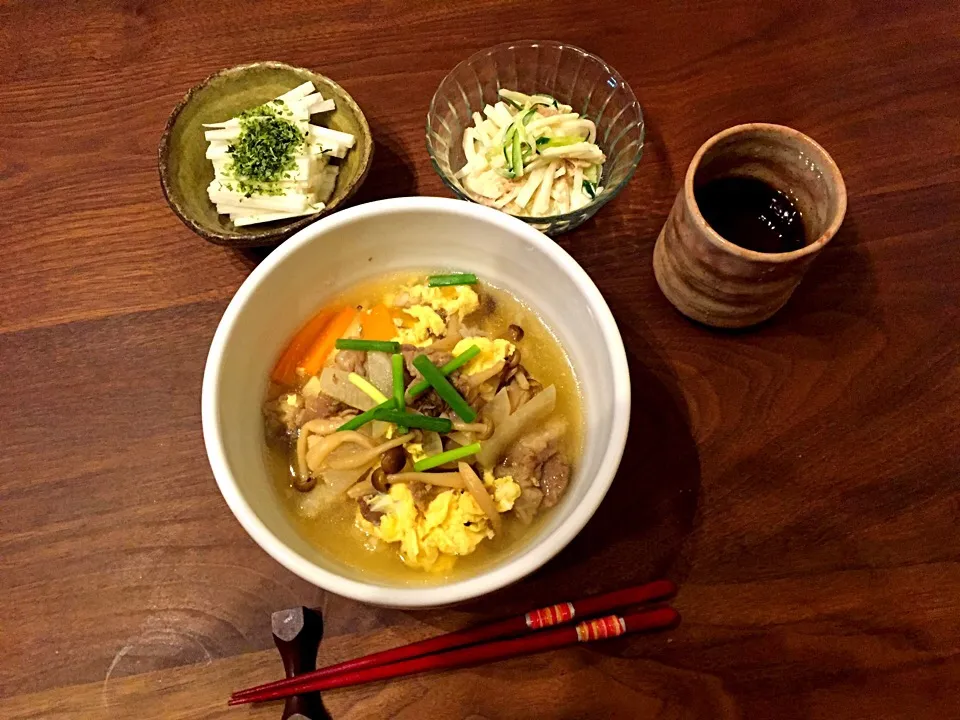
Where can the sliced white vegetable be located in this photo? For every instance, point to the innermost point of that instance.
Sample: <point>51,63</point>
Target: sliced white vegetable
<point>530,187</point>
<point>244,220</point>
<point>542,201</point>
<point>300,191</point>
<point>517,97</point>
<point>508,197</point>
<point>546,120</point>
<point>547,181</point>
<point>469,144</point>
<point>217,150</point>
<point>503,114</point>
<point>291,202</point>
<point>300,91</point>
<point>492,115</point>
<point>317,132</point>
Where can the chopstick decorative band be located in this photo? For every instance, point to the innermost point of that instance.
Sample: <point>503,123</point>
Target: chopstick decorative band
<point>601,628</point>
<point>559,614</point>
<point>553,615</point>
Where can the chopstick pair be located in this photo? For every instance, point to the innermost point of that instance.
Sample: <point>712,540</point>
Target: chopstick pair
<point>463,647</point>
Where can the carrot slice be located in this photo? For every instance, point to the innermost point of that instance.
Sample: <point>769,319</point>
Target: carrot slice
<point>285,371</point>
<point>322,347</point>
<point>377,324</point>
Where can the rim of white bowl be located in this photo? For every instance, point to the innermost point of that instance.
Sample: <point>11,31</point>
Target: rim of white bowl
<point>535,556</point>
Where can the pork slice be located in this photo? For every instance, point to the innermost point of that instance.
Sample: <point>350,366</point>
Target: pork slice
<point>437,357</point>
<point>526,506</point>
<point>320,406</point>
<point>283,418</point>
<point>352,361</point>
<point>423,494</point>
<point>533,459</point>
<point>525,459</point>
<point>555,474</point>
<point>428,403</point>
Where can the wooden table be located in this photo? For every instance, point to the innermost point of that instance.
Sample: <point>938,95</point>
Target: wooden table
<point>801,481</point>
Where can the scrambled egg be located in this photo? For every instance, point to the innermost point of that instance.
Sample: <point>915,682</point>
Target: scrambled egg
<point>415,451</point>
<point>505,490</point>
<point>491,352</point>
<point>427,326</point>
<point>452,525</point>
<point>454,300</point>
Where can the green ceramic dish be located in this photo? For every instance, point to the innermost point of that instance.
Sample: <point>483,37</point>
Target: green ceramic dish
<point>185,172</point>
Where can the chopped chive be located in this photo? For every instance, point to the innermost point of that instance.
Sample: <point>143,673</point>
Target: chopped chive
<point>368,345</point>
<point>458,362</point>
<point>451,279</point>
<point>517,155</point>
<point>398,395</point>
<point>558,141</point>
<point>449,394</point>
<point>363,418</point>
<point>411,420</point>
<point>445,457</point>
<point>590,188</point>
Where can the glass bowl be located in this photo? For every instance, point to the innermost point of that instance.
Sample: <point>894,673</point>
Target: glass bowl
<point>571,75</point>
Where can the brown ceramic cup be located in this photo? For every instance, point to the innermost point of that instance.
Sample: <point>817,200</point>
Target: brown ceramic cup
<point>719,283</point>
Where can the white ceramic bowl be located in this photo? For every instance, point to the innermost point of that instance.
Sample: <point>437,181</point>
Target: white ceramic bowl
<point>369,240</point>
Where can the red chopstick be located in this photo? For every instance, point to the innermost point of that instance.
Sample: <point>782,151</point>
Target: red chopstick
<point>534,620</point>
<point>586,631</point>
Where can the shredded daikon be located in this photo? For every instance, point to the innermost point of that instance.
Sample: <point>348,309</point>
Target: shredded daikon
<point>270,163</point>
<point>531,155</point>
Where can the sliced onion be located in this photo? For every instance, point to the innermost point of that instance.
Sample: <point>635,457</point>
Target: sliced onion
<point>362,458</point>
<point>481,377</point>
<point>479,492</point>
<point>319,452</point>
<point>498,409</point>
<point>449,480</point>
<point>339,481</point>
<point>432,443</point>
<point>361,489</point>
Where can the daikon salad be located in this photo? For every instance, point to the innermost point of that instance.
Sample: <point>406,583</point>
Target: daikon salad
<point>270,163</point>
<point>532,156</point>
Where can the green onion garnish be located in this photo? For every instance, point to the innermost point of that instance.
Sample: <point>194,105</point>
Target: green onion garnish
<point>590,188</point>
<point>558,141</point>
<point>458,362</point>
<point>432,374</point>
<point>412,420</point>
<point>517,156</point>
<point>398,396</point>
<point>512,103</point>
<point>368,345</point>
<point>363,418</point>
<point>451,279</point>
<point>445,457</point>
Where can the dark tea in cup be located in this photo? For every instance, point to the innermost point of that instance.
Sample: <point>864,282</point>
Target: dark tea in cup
<point>752,214</point>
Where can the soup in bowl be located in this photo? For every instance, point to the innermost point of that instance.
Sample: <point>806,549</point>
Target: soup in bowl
<point>415,402</point>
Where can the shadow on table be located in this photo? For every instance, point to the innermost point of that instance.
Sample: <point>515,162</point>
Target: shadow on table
<point>639,530</point>
<point>391,175</point>
<point>833,301</point>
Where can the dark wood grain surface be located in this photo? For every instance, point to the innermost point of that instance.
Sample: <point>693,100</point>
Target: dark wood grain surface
<point>800,481</point>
